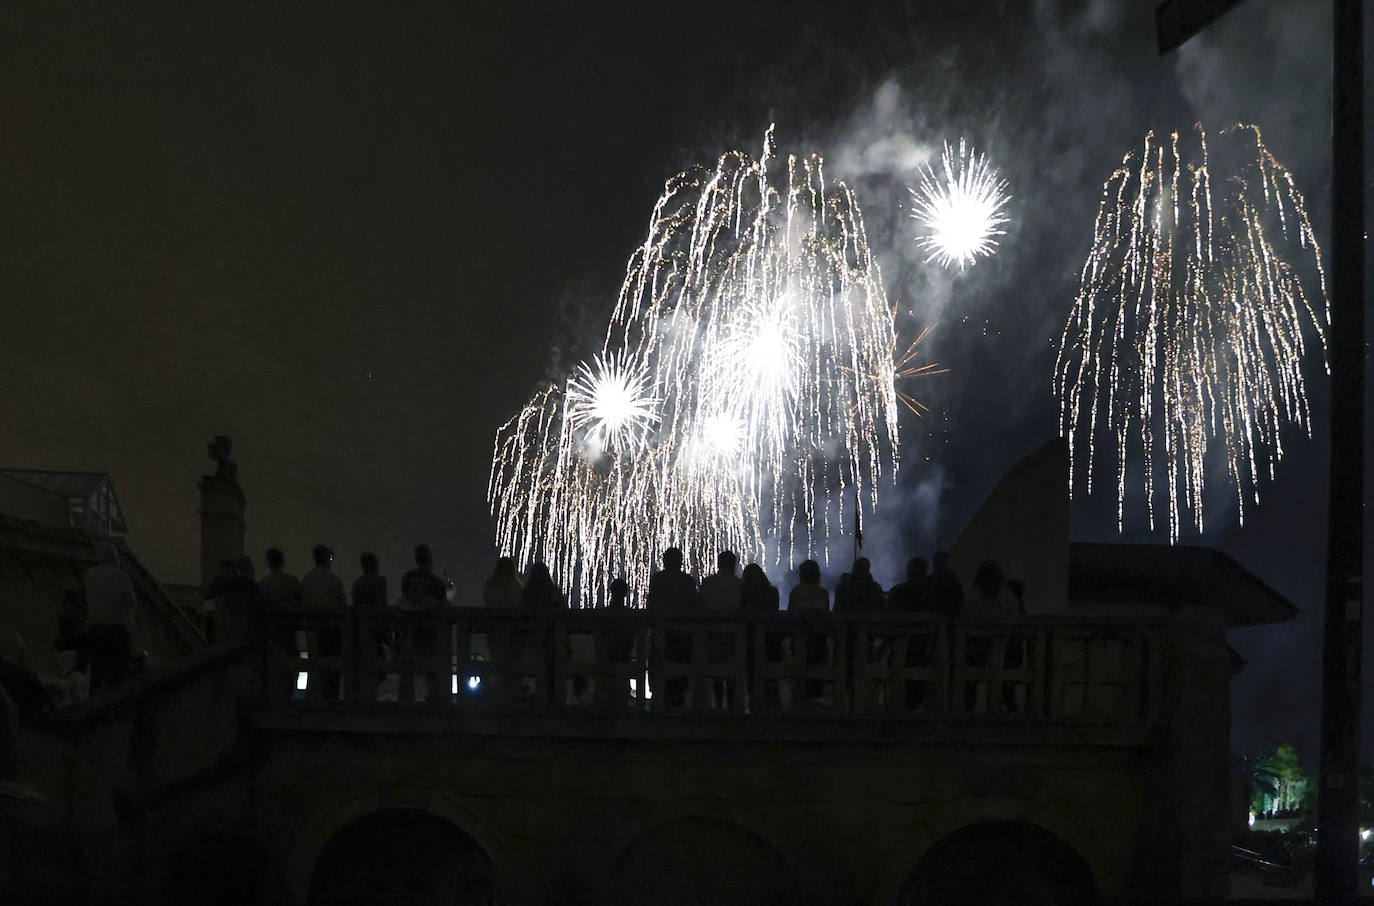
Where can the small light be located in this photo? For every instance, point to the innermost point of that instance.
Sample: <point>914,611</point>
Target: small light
<point>302,679</point>
<point>454,688</point>
<point>474,681</point>
<point>1366,834</point>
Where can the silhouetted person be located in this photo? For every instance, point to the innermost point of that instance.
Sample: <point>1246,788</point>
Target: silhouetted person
<point>722,590</point>
<point>320,588</point>
<point>110,602</point>
<point>419,586</point>
<point>989,598</point>
<point>620,650</point>
<point>278,591</point>
<point>620,594</point>
<point>946,591</point>
<point>809,598</point>
<point>858,591</point>
<point>758,595</point>
<point>913,594</point>
<point>540,592</point>
<point>671,589</point>
<point>369,598</point>
<point>502,588</point>
<point>808,595</point>
<point>369,589</point>
<point>279,587</point>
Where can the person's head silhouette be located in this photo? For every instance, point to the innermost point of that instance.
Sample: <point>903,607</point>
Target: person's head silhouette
<point>988,578</point>
<point>672,559</point>
<point>916,569</point>
<point>725,562</point>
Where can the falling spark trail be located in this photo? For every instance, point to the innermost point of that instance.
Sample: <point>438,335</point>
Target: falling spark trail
<point>961,207</point>
<point>742,398</point>
<point>1191,324</point>
<point>902,368</point>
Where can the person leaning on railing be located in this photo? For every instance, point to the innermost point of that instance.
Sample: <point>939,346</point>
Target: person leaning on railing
<point>809,598</point>
<point>620,645</point>
<point>502,588</point>
<point>540,591</point>
<point>424,592</point>
<point>369,598</point>
<point>279,591</point>
<point>672,591</point>
<point>722,591</point>
<point>323,591</point>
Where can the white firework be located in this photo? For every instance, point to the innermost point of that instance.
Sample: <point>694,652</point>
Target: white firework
<point>960,208</point>
<point>757,314</point>
<point>609,401</point>
<point>1183,358</point>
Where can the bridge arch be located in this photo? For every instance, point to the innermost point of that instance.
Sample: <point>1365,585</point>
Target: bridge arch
<point>701,855</point>
<point>708,808</point>
<point>402,857</point>
<point>1000,863</point>
<point>313,841</point>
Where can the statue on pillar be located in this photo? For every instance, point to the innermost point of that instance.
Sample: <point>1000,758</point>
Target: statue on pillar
<point>219,452</point>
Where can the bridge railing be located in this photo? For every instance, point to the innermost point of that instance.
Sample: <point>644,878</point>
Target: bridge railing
<point>632,663</point>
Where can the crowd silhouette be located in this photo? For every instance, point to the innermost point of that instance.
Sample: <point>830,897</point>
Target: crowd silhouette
<point>930,587</point>
<point>671,591</point>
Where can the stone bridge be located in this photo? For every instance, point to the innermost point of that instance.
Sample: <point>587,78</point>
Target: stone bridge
<point>469,755</point>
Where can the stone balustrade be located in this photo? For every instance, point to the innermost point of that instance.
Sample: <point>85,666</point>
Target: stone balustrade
<point>632,664</point>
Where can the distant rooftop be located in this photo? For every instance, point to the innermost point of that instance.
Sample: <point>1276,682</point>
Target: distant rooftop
<point>92,505</point>
<point>1174,575</point>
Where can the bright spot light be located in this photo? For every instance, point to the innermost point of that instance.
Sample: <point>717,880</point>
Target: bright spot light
<point>473,682</point>
<point>961,208</point>
<point>302,679</point>
<point>1366,834</point>
<point>722,435</point>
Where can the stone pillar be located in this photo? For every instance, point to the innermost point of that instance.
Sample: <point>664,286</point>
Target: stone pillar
<point>1198,768</point>
<point>221,513</point>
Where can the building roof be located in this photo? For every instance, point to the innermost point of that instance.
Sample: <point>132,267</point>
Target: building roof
<point>1173,576</point>
<point>71,485</point>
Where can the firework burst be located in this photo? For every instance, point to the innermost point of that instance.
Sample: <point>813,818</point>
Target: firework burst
<point>730,397</point>
<point>609,401</point>
<point>904,367</point>
<point>960,208</point>
<point>1189,331</point>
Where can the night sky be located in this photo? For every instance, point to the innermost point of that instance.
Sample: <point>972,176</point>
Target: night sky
<point>356,237</point>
